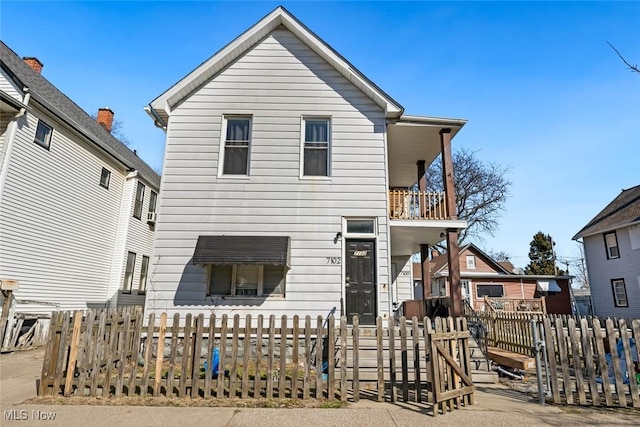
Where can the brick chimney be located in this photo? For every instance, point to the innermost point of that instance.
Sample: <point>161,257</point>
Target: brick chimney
<point>34,63</point>
<point>105,118</point>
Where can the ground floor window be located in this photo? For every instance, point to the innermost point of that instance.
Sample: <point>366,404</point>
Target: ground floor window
<point>490,290</point>
<point>619,293</point>
<point>246,280</point>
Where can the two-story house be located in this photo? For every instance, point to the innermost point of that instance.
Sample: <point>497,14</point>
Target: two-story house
<point>75,203</point>
<point>287,183</point>
<point>612,252</point>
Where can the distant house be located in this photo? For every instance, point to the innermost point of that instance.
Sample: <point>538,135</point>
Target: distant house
<point>76,205</point>
<point>287,185</point>
<point>612,251</point>
<point>481,275</point>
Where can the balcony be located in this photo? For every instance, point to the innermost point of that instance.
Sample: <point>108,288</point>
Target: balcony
<point>409,204</point>
<point>418,217</point>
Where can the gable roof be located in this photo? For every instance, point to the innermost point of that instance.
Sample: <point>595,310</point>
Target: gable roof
<point>160,108</point>
<point>439,263</point>
<point>623,211</point>
<point>53,100</point>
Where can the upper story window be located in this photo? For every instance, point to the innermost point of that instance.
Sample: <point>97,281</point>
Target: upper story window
<point>153,201</point>
<point>105,178</point>
<point>471,262</point>
<point>43,134</point>
<point>611,243</point>
<point>619,293</point>
<point>137,208</point>
<point>237,143</point>
<point>317,143</point>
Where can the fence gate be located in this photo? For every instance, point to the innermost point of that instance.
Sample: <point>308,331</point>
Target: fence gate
<point>451,363</point>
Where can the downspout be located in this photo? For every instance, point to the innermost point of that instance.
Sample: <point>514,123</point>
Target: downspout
<point>12,130</point>
<point>522,288</point>
<point>386,198</point>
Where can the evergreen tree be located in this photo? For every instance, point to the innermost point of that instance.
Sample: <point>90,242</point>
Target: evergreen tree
<point>542,256</point>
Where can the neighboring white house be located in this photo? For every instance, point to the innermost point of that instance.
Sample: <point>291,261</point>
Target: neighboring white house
<point>286,183</point>
<point>612,251</point>
<point>74,201</point>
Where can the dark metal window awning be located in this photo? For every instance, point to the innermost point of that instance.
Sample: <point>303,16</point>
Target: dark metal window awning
<point>267,250</point>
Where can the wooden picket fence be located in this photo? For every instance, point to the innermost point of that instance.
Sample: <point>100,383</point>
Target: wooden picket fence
<point>115,353</point>
<point>593,361</point>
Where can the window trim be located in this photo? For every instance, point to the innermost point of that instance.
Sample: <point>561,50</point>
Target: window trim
<point>607,247</point>
<point>489,284</point>
<point>223,143</point>
<point>616,303</point>
<point>44,144</point>
<point>329,120</point>
<point>127,283</point>
<point>232,288</point>
<point>472,265</point>
<point>138,203</point>
<point>144,271</point>
<point>108,180</point>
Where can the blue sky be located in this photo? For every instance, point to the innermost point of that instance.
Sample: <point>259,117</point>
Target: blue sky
<point>543,92</point>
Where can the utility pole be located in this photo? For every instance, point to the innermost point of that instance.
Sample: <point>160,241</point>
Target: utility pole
<point>553,254</point>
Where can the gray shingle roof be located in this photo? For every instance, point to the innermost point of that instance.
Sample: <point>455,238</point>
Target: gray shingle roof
<point>46,94</point>
<point>622,211</point>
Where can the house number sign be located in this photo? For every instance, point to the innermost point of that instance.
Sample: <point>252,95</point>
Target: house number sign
<point>335,260</point>
<point>360,253</point>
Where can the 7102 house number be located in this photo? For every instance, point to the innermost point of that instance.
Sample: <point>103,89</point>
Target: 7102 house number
<point>334,260</point>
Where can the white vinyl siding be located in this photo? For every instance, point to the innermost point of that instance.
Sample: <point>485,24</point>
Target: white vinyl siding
<point>57,226</point>
<point>277,82</point>
<point>603,270</point>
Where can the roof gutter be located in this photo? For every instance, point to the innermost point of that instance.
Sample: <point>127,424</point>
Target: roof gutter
<point>157,120</point>
<point>434,121</point>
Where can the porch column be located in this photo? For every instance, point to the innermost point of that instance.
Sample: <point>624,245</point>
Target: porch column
<point>422,187</point>
<point>455,288</point>
<point>426,274</point>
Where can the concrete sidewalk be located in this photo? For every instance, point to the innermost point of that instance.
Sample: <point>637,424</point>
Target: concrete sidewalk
<point>495,406</point>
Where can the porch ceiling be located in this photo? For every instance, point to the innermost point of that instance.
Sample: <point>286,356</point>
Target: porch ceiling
<point>413,139</point>
<point>408,235</point>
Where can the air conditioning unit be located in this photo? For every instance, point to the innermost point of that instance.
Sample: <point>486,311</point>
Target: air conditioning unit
<point>151,218</point>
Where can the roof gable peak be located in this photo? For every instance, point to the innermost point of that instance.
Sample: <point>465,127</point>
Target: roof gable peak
<point>161,107</point>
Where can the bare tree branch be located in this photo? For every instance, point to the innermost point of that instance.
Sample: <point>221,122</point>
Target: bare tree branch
<point>633,68</point>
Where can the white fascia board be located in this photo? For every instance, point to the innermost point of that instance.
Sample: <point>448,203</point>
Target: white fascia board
<point>164,103</point>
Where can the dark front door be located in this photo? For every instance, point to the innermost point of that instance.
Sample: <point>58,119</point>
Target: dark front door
<point>360,280</point>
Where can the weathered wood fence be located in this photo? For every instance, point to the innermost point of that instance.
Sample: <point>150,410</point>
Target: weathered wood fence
<point>593,361</point>
<point>112,353</point>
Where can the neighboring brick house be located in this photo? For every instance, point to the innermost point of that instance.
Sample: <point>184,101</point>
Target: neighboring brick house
<point>481,275</point>
<point>76,205</point>
<point>612,252</point>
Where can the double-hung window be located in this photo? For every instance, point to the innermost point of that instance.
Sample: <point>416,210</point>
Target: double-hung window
<point>43,134</point>
<point>128,272</point>
<point>471,262</point>
<point>153,201</point>
<point>137,208</point>
<point>246,280</point>
<point>611,243</point>
<point>237,143</point>
<point>144,269</point>
<point>317,147</point>
<point>619,293</point>
<point>105,178</point>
